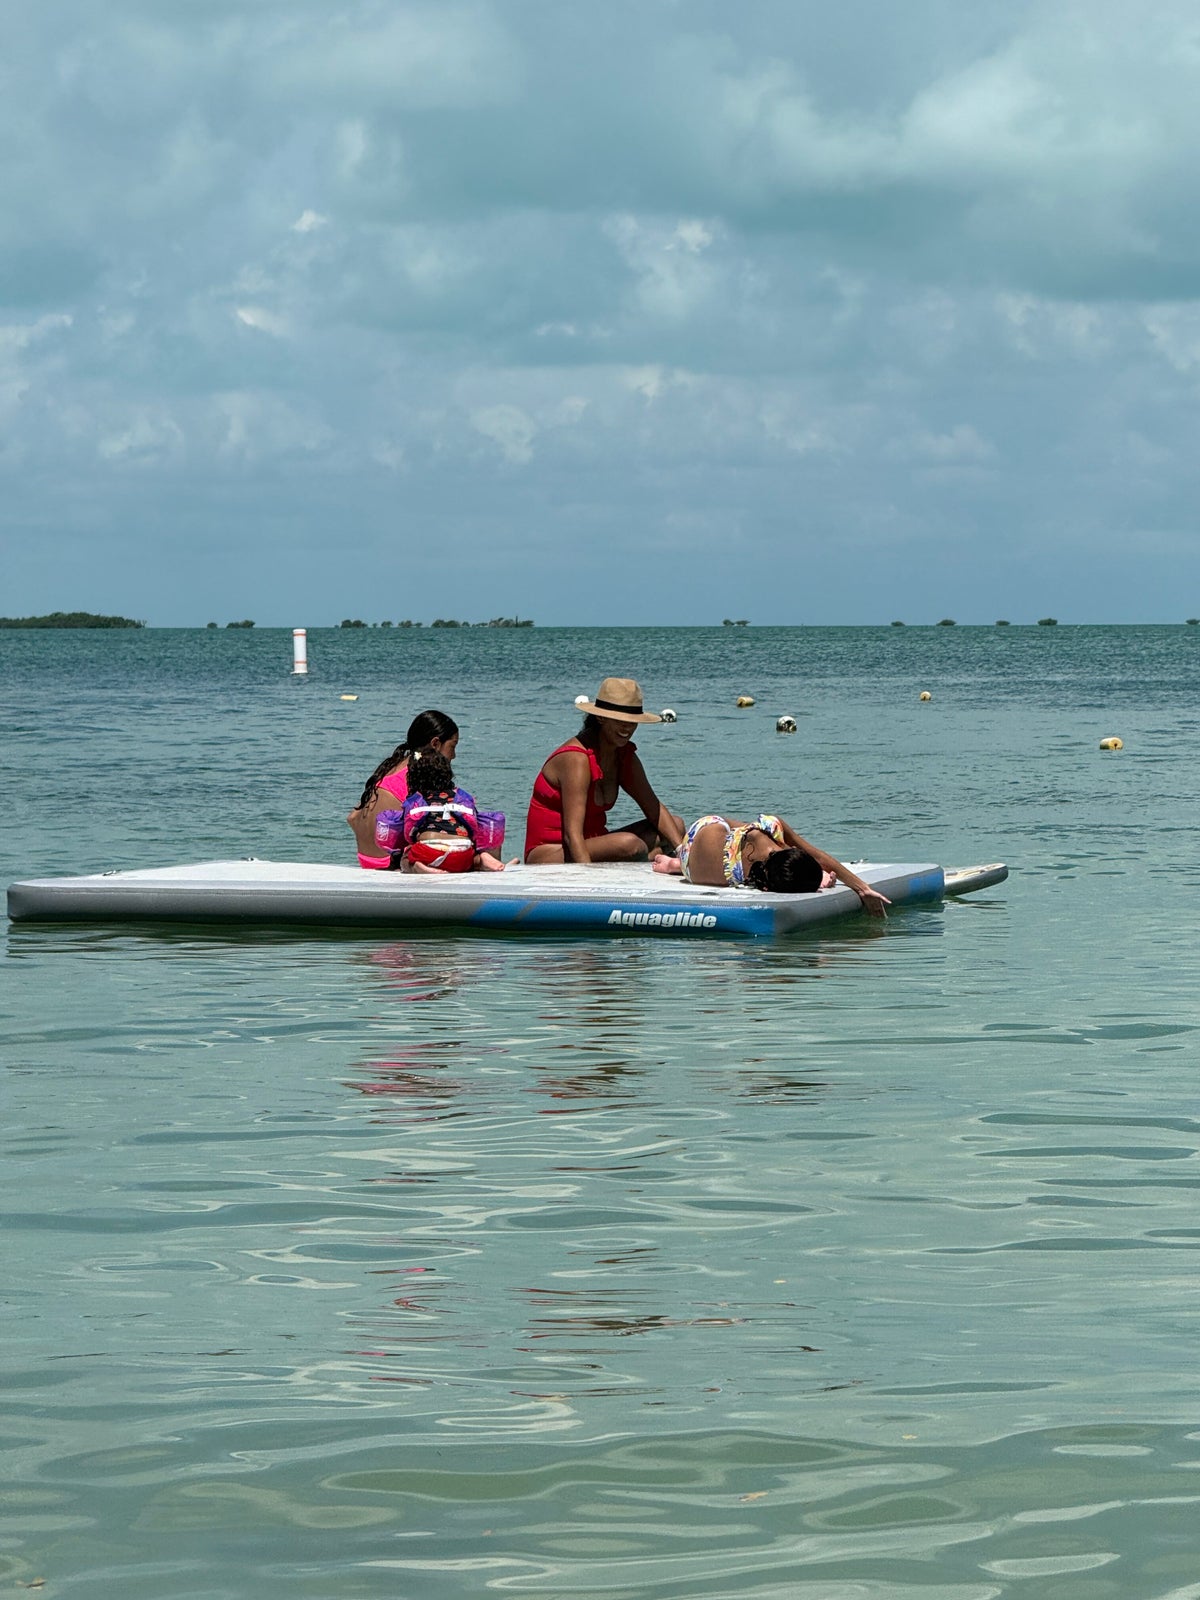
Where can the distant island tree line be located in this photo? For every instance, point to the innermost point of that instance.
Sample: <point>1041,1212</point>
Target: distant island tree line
<point>442,622</point>
<point>91,619</point>
<point>438,622</point>
<point>70,619</point>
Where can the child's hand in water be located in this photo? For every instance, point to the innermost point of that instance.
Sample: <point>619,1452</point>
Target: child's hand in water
<point>872,902</point>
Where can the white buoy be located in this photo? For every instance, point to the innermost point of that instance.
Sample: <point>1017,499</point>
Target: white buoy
<point>299,650</point>
<point>785,725</point>
<point>1112,743</point>
<point>925,695</point>
<point>667,714</point>
<point>744,700</point>
<point>581,700</point>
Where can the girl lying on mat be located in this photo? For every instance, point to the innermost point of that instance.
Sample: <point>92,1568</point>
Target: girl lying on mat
<point>764,854</point>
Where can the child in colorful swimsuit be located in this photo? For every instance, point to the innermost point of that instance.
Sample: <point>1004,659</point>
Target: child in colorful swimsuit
<point>764,854</point>
<point>439,828</point>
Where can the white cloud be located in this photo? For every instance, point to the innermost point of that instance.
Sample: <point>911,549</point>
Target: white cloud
<point>387,453</point>
<point>570,410</point>
<point>794,426</point>
<point>653,381</point>
<point>961,443</point>
<point>424,57</point>
<point>693,236</point>
<point>509,427</point>
<point>650,382</point>
<point>17,377</point>
<point>149,438</point>
<point>257,428</point>
<point>19,336</point>
<point>1175,333</point>
<point>264,321</point>
<point>1043,329</point>
<point>671,282</point>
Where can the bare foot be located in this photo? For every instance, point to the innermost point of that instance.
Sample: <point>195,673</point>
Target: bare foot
<point>670,864</point>
<point>489,863</point>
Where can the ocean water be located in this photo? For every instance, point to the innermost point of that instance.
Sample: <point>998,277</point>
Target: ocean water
<point>852,1266</point>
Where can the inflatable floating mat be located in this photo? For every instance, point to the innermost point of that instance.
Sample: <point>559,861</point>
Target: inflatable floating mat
<point>619,898</point>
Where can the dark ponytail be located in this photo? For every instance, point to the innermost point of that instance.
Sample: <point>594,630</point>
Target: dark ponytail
<point>426,726</point>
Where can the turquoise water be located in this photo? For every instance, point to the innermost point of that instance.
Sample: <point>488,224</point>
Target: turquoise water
<point>859,1265</point>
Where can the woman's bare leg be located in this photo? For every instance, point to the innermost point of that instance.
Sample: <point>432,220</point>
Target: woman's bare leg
<point>626,845</point>
<point>656,845</point>
<point>545,855</point>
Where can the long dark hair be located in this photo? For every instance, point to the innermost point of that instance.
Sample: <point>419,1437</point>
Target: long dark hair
<point>791,871</point>
<point>426,726</point>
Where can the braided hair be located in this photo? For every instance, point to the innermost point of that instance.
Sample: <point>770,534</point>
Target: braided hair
<point>426,726</point>
<point>791,871</point>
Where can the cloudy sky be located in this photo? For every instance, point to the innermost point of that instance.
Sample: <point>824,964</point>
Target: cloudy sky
<point>648,310</point>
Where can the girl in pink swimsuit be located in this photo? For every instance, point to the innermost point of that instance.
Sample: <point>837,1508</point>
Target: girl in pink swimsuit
<point>387,787</point>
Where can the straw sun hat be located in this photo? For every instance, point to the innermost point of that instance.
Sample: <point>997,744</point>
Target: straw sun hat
<point>620,699</point>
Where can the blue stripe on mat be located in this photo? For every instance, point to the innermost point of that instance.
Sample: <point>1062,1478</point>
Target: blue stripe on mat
<point>607,914</point>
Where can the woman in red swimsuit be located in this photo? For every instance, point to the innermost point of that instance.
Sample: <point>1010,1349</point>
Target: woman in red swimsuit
<point>579,784</point>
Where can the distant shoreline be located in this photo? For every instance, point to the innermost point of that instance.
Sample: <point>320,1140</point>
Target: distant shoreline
<point>70,619</point>
<point>86,620</point>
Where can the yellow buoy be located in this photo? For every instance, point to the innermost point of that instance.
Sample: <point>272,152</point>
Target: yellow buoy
<point>744,700</point>
<point>924,695</point>
<point>1112,744</point>
<point>349,697</point>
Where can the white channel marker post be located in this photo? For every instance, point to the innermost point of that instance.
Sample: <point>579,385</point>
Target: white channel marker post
<point>299,650</point>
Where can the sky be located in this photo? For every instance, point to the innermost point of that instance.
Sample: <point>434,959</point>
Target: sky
<point>653,311</point>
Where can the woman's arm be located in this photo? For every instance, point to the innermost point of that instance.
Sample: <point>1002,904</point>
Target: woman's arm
<point>362,826</point>
<point>871,899</point>
<point>637,786</point>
